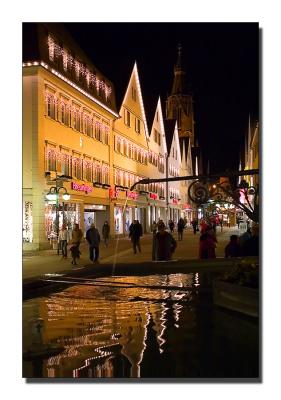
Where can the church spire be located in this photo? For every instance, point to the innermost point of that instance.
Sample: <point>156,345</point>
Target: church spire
<point>179,74</point>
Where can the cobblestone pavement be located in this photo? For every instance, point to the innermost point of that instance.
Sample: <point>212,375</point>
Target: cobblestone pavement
<point>118,251</point>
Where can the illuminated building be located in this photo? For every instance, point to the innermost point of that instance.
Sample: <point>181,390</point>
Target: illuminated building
<point>74,137</point>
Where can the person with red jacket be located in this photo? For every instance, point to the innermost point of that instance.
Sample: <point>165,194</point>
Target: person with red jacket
<point>207,246</point>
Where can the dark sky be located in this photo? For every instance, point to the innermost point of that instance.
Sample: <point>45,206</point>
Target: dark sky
<point>221,61</point>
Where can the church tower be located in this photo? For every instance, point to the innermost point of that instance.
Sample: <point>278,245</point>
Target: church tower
<point>179,104</point>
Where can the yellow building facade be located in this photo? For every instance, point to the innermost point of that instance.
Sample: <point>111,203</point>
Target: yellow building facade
<point>75,141</point>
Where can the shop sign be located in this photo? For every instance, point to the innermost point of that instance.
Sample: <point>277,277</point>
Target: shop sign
<point>81,188</point>
<point>132,195</point>
<point>113,193</point>
<point>175,201</point>
<point>153,196</point>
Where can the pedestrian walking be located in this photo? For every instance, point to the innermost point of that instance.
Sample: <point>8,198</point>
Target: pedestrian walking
<point>154,228</point>
<point>207,246</point>
<point>105,233</point>
<point>232,249</point>
<point>164,244</point>
<point>77,236</point>
<point>194,224</point>
<point>63,240</point>
<point>171,226</point>
<point>93,239</point>
<point>181,226</point>
<point>135,233</point>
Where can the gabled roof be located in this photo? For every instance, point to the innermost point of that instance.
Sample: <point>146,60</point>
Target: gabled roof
<point>169,126</point>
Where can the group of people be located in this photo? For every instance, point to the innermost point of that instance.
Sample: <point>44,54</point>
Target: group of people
<point>73,243</point>
<point>163,243</point>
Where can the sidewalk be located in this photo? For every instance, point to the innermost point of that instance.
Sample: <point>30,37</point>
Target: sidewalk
<point>118,251</point>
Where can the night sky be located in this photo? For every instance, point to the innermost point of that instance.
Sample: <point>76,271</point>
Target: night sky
<point>221,61</point>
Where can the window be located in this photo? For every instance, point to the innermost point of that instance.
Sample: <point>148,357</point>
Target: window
<point>87,170</point>
<point>106,175</point>
<point>89,128</point>
<point>51,160</point>
<point>106,136</point>
<point>127,118</point>
<point>76,120</point>
<point>97,173</point>
<point>125,147</point>
<point>77,167</point>
<point>137,125</point>
<point>157,116</point>
<point>98,131</point>
<point>51,106</point>
<point>118,145</point>
<point>179,117</point>
<point>65,164</point>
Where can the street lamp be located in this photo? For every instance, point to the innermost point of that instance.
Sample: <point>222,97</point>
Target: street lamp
<point>53,197</point>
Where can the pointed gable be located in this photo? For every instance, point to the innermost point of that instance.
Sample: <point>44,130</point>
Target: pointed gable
<point>132,111</point>
<point>158,125</point>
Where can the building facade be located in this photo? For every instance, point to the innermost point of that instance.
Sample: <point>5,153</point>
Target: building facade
<point>75,141</point>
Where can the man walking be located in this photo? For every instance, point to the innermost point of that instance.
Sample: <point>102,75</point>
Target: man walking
<point>135,232</point>
<point>93,238</point>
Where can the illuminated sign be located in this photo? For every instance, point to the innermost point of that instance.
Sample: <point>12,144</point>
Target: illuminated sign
<point>81,188</point>
<point>113,193</point>
<point>153,196</point>
<point>132,195</point>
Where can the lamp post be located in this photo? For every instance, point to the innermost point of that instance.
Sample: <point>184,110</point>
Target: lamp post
<point>53,198</point>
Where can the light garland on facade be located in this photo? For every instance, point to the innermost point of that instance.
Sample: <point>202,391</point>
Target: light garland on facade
<point>86,94</point>
<point>58,102</point>
<point>70,62</point>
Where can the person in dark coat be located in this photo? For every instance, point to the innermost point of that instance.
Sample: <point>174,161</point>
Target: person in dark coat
<point>171,226</point>
<point>93,238</point>
<point>251,246</point>
<point>194,224</point>
<point>135,233</point>
<point>181,226</point>
<point>232,249</point>
<point>164,244</point>
<point>105,233</point>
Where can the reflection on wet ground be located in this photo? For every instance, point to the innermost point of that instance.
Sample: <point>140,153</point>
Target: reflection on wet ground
<point>158,326</point>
